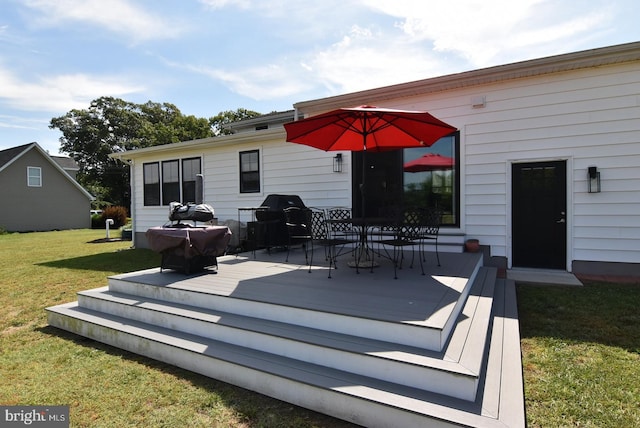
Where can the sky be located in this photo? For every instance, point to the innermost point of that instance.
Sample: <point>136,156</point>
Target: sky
<point>209,56</point>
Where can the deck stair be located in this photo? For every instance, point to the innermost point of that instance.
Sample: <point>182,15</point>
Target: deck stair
<point>459,367</point>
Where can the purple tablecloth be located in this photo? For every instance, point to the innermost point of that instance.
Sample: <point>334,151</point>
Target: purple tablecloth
<point>189,242</point>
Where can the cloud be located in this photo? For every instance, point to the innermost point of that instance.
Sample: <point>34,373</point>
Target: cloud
<point>219,4</point>
<point>472,29</point>
<point>118,16</point>
<point>364,60</point>
<point>273,80</point>
<point>17,122</point>
<point>59,93</point>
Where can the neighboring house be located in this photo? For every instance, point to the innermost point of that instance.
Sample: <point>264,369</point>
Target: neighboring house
<point>67,164</point>
<point>546,161</point>
<point>39,191</point>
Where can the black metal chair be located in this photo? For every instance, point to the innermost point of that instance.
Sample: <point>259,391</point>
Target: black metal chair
<point>323,236</point>
<point>430,220</point>
<point>341,224</point>
<point>399,234</point>
<point>298,225</point>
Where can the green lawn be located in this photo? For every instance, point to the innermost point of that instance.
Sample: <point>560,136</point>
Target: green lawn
<point>105,386</point>
<point>581,354</point>
<point>580,347</point>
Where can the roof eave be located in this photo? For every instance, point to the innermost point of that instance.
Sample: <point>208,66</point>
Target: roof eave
<point>220,141</point>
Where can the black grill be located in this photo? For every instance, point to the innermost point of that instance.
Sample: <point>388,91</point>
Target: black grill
<point>272,207</point>
<point>270,230</point>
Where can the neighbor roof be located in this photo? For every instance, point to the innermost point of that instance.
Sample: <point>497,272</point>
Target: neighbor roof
<point>7,155</point>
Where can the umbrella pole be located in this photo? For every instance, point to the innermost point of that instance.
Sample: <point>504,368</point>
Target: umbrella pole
<point>364,259</point>
<point>364,176</point>
<point>362,184</point>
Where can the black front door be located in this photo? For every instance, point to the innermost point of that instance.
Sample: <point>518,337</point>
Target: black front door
<point>539,206</point>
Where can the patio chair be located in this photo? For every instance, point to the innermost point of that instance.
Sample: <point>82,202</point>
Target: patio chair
<point>430,220</point>
<point>341,226</point>
<point>400,234</point>
<point>324,237</point>
<point>386,226</point>
<point>298,225</point>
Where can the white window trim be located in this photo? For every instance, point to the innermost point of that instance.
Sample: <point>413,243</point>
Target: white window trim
<point>180,177</point>
<point>260,151</point>
<point>29,176</point>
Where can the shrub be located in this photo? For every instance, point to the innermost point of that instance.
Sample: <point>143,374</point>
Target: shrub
<point>117,214</point>
<point>97,221</point>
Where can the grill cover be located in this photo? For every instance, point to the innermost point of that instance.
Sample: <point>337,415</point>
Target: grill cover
<point>272,207</point>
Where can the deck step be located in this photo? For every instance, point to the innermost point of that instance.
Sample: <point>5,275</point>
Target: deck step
<point>360,399</point>
<point>451,372</point>
<point>440,349</point>
<point>430,334</point>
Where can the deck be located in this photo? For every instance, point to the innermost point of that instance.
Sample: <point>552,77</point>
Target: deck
<point>412,298</point>
<point>364,346</point>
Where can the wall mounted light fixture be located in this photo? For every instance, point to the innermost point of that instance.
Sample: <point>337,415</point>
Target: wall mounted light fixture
<point>594,179</point>
<point>337,163</point>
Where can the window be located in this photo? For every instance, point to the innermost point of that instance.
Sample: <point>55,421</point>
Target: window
<point>34,176</point>
<point>433,180</point>
<point>249,172</point>
<point>190,169</point>
<point>170,182</point>
<point>151,172</point>
<point>390,179</point>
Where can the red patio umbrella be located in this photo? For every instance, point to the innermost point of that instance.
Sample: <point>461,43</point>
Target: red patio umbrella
<point>367,128</point>
<point>429,162</point>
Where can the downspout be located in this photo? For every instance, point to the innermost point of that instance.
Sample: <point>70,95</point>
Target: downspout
<point>132,183</point>
<point>133,201</point>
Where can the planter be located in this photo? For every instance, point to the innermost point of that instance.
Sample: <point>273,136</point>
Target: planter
<point>127,234</point>
<point>472,246</point>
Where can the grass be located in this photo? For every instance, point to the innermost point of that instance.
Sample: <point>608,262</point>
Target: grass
<point>105,386</point>
<point>581,354</point>
<point>580,346</point>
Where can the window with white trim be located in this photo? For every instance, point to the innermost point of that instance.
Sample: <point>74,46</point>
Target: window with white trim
<point>151,178</point>
<point>190,170</point>
<point>170,181</point>
<point>250,171</point>
<point>34,176</point>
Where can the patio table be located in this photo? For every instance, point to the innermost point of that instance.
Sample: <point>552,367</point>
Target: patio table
<point>363,225</point>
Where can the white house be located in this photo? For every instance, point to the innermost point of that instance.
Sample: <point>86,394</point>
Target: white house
<point>547,162</point>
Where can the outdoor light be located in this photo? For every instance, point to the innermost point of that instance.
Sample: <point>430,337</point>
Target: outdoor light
<point>337,163</point>
<point>594,179</point>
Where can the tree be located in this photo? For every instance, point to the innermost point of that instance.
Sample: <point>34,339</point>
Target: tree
<point>113,125</point>
<point>226,117</point>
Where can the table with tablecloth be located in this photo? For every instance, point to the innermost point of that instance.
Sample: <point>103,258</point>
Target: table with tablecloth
<point>189,248</point>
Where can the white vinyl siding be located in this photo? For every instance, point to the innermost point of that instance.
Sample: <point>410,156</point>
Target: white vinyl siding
<point>586,117</point>
<point>285,168</point>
